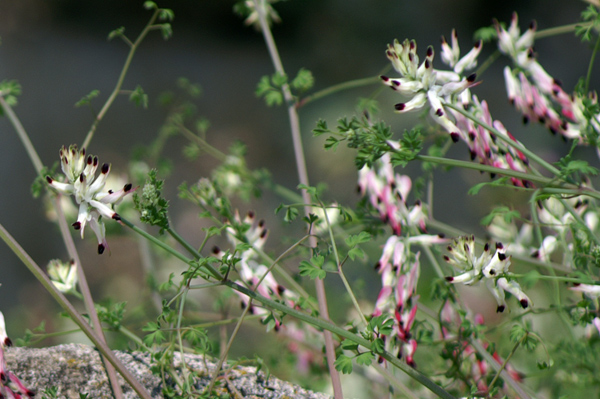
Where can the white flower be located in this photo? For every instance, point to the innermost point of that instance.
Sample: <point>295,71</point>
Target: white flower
<point>83,184</point>
<point>62,275</point>
<point>491,267</point>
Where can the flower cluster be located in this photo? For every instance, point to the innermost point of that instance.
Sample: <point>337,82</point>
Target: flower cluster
<point>252,273</point>
<point>491,267</point>
<point>387,192</point>
<point>399,268</point>
<point>536,94</point>
<point>475,367</point>
<point>437,88</point>
<point>10,386</point>
<point>86,187</point>
<point>63,276</point>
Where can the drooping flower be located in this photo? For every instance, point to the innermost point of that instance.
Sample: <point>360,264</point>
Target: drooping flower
<point>86,187</point>
<point>63,275</point>
<point>10,385</point>
<point>491,267</point>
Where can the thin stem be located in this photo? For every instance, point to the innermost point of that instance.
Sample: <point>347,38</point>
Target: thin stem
<point>303,178</point>
<point>194,253</point>
<point>133,47</point>
<point>507,140</point>
<point>559,30</point>
<point>85,291</point>
<point>494,364</point>
<point>512,352</point>
<point>351,84</point>
<point>93,335</point>
<point>329,326</point>
<point>23,136</point>
<point>591,64</point>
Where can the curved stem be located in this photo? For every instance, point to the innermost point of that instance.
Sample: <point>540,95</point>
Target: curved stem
<point>351,84</point>
<point>117,89</point>
<point>303,178</point>
<point>591,64</point>
<point>329,326</point>
<point>92,334</point>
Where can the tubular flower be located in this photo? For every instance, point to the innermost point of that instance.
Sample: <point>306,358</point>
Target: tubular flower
<point>86,187</point>
<point>63,275</point>
<point>540,97</point>
<point>491,267</point>
<point>10,385</point>
<point>255,234</point>
<point>426,85</point>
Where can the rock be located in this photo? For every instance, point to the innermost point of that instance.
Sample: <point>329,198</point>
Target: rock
<point>75,369</point>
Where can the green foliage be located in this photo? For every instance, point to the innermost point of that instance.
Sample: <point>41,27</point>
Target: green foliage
<point>10,89</point>
<point>119,32</point>
<point>155,335</point>
<point>590,15</point>
<point>270,88</point>
<point>113,315</point>
<point>150,204</point>
<point>87,99</point>
<point>138,97</point>
<point>303,81</point>
<point>486,34</point>
<point>343,364</point>
<point>507,214</point>
<point>314,268</point>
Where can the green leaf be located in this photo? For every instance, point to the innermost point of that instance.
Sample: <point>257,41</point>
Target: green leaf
<point>356,253</point>
<point>87,99</point>
<point>321,128</point>
<point>349,345</point>
<point>138,97</point>
<point>343,364</point>
<point>365,359</point>
<point>314,268</point>
<point>150,5</point>
<point>360,238</point>
<point>304,80</point>
<point>116,33</point>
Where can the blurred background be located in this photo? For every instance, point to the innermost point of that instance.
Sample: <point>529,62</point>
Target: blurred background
<point>58,51</point>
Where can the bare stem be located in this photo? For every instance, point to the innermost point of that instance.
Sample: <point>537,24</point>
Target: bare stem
<point>133,47</point>
<point>303,178</point>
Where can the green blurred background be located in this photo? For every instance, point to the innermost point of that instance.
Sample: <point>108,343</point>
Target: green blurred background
<point>59,52</point>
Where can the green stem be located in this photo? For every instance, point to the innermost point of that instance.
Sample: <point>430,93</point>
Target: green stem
<point>194,253</point>
<point>329,326</point>
<point>512,352</point>
<point>558,30</point>
<point>559,278</point>
<point>485,168</point>
<point>117,89</point>
<point>591,65</point>
<point>336,88</point>
<point>75,316</point>
<point>531,155</point>
<point>23,136</point>
<point>303,179</point>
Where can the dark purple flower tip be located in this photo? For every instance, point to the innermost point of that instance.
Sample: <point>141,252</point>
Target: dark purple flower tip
<point>524,303</point>
<point>81,178</point>
<point>492,272</point>
<point>410,57</point>
<point>7,342</point>
<point>216,250</point>
<point>478,44</point>
<point>89,160</point>
<point>49,179</point>
<point>280,289</point>
<point>472,155</point>
<point>384,78</point>
<point>127,187</point>
<point>455,137</point>
<point>116,217</point>
<point>396,83</point>
<point>533,25</point>
<point>427,63</point>
<point>486,247</point>
<point>264,233</point>
<point>76,225</point>
<point>500,309</point>
<point>499,245</point>
<point>501,256</point>
<point>429,51</point>
<point>100,249</point>
<point>471,78</point>
<point>104,169</point>
<point>261,222</point>
<point>441,235</point>
<point>400,106</point>
<point>439,112</point>
<point>472,135</point>
<point>449,278</point>
<point>535,254</point>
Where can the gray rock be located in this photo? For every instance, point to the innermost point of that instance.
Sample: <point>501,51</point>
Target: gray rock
<point>75,369</point>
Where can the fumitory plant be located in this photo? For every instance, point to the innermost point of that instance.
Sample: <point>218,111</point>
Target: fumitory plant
<point>506,309</point>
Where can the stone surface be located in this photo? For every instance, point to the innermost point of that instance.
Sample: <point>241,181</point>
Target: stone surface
<point>75,369</point>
